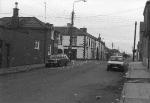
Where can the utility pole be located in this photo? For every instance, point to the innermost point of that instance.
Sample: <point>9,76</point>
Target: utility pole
<point>45,11</point>
<point>99,48</point>
<point>71,33</point>
<point>71,28</point>
<point>112,45</point>
<point>134,41</point>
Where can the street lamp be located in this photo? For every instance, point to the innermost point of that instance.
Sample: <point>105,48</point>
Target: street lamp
<point>134,50</point>
<point>72,16</point>
<point>71,27</point>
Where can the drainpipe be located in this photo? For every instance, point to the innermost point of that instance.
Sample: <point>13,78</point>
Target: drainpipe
<point>134,42</point>
<point>84,46</point>
<point>45,45</point>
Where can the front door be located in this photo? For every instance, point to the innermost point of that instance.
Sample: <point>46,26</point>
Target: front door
<point>73,53</point>
<point>7,54</point>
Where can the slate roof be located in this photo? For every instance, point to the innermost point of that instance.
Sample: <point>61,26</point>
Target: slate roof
<point>23,22</point>
<point>76,31</point>
<point>146,6</point>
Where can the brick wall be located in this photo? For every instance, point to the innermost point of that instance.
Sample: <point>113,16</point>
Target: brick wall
<point>22,46</point>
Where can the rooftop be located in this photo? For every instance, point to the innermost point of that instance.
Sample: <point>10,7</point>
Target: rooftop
<point>76,31</point>
<point>23,22</point>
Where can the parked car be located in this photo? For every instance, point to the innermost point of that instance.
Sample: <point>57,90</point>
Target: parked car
<point>116,63</point>
<point>57,60</point>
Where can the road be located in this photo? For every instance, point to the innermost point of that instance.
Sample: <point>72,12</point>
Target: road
<point>86,83</point>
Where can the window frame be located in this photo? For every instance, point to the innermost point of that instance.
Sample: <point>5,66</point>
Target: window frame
<point>37,44</point>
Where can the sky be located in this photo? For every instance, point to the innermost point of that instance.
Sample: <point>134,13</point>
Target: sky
<point>113,19</point>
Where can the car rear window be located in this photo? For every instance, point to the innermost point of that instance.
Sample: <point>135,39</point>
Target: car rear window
<point>116,59</point>
<point>58,57</point>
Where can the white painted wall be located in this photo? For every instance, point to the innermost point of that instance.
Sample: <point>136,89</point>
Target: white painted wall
<point>80,53</point>
<point>80,40</point>
<point>61,47</point>
<point>89,53</point>
<point>66,40</point>
<point>80,50</point>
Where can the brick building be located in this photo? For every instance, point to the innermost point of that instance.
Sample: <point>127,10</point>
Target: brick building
<point>24,40</point>
<point>144,42</point>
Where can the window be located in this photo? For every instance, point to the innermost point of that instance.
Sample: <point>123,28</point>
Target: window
<point>89,42</point>
<point>37,45</point>
<point>52,34</point>
<point>113,58</point>
<point>74,41</point>
<point>49,50</point>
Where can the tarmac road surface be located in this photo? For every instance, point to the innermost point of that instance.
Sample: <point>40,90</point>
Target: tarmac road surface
<point>85,83</point>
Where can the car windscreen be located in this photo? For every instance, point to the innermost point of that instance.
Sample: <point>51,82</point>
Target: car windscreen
<point>116,59</point>
<point>57,57</point>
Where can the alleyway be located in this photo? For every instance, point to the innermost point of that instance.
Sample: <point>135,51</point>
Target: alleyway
<point>86,83</point>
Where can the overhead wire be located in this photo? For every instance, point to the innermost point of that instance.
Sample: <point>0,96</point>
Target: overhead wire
<point>100,18</point>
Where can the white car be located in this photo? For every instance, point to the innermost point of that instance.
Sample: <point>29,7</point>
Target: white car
<point>116,62</point>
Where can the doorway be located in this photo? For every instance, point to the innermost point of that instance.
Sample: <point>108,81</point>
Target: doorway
<point>7,54</point>
<point>73,53</point>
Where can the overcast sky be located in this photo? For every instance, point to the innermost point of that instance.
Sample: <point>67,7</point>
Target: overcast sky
<point>113,19</point>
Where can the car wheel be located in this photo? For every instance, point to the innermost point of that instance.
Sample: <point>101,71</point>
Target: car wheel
<point>57,65</point>
<point>122,69</point>
<point>66,63</point>
<point>60,64</point>
<point>46,65</point>
<point>108,68</point>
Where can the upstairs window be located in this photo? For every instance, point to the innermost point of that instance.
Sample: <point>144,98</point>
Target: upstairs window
<point>37,45</point>
<point>49,50</point>
<point>52,35</point>
<point>74,41</point>
<point>89,42</point>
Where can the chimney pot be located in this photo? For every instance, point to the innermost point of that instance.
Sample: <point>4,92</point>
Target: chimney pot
<point>15,10</point>
<point>15,17</point>
<point>16,3</point>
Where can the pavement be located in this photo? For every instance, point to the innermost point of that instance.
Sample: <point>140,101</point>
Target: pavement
<point>26,68</point>
<point>137,86</point>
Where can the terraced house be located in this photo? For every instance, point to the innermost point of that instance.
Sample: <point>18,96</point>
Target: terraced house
<point>101,49</point>
<point>84,45</point>
<point>144,43</point>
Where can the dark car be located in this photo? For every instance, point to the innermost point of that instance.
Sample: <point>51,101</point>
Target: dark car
<point>117,63</point>
<point>57,60</point>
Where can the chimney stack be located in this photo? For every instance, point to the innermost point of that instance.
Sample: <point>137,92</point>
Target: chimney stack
<point>15,17</point>
<point>68,25</point>
<point>15,10</point>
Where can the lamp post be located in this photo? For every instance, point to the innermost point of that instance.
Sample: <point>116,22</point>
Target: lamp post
<point>134,42</point>
<point>71,27</point>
